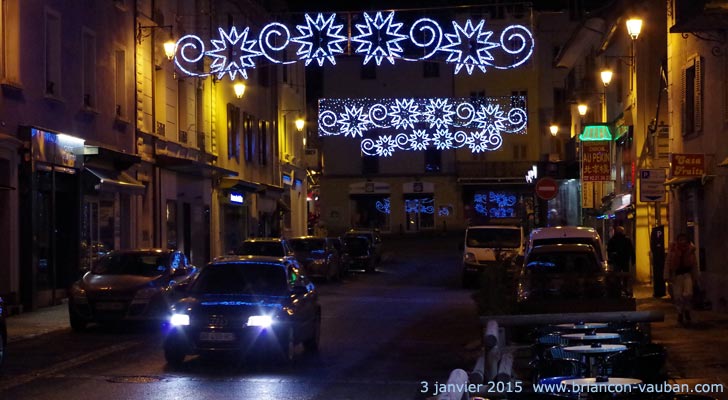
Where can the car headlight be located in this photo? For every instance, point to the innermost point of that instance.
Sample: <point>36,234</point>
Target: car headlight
<point>263,321</point>
<point>469,257</point>
<point>179,319</point>
<point>78,294</point>
<point>143,295</point>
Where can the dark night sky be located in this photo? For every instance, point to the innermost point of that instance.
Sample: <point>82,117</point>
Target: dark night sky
<point>339,5</point>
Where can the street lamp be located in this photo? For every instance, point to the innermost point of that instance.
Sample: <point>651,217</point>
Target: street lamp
<point>606,75</point>
<point>554,129</point>
<point>300,123</point>
<point>634,26</point>
<point>239,89</point>
<point>170,45</point>
<point>582,108</point>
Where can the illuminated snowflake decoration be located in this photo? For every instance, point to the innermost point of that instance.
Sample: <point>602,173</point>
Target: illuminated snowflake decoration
<point>443,211</point>
<point>404,113</point>
<point>469,46</point>
<point>439,113</point>
<point>495,204</point>
<point>379,38</point>
<point>419,140</point>
<point>477,124</point>
<point>443,139</point>
<point>491,118</point>
<point>320,39</point>
<point>238,48</point>
<point>385,146</point>
<point>383,206</point>
<point>354,122</point>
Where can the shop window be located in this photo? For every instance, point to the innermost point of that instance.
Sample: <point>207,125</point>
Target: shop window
<point>371,211</point>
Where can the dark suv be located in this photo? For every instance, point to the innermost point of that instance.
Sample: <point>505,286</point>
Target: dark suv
<point>271,247</point>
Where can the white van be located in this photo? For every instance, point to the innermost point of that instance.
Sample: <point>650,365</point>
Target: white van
<point>489,246</point>
<point>568,235</point>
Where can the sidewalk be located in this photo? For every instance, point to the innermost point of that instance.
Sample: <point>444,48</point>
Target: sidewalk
<point>43,320</point>
<point>696,355</point>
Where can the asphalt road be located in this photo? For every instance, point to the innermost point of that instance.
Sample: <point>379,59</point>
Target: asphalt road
<point>383,336</point>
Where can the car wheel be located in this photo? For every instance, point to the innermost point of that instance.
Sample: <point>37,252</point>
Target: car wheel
<point>288,346</point>
<point>78,324</point>
<point>174,356</point>
<point>312,344</point>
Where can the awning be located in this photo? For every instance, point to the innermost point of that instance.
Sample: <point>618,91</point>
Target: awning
<point>119,159</point>
<point>687,180</point>
<point>192,167</point>
<point>113,181</point>
<point>227,183</point>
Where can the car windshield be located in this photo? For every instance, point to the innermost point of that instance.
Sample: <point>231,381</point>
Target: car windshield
<point>235,278</point>
<point>506,238</point>
<point>562,262</point>
<point>273,249</point>
<point>356,245</point>
<point>308,244</point>
<point>570,240</point>
<point>142,264</point>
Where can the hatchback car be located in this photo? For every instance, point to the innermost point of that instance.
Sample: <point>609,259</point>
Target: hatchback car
<point>569,277</point>
<point>132,285</point>
<point>568,235</point>
<point>3,332</point>
<point>374,237</point>
<point>318,256</point>
<point>237,304</point>
<point>358,253</point>
<point>271,247</point>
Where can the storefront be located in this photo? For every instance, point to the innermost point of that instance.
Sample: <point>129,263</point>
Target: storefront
<point>49,208</point>
<point>235,197</point>
<point>419,206</point>
<point>370,204</point>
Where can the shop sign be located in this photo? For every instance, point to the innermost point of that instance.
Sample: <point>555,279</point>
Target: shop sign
<point>287,180</point>
<point>595,162</point>
<point>687,165</point>
<point>652,185</point>
<point>236,198</point>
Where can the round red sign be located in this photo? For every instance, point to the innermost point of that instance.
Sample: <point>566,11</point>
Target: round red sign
<point>547,188</point>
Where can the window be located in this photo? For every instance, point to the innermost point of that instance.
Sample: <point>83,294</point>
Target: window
<point>692,97</point>
<point>519,99</point>
<point>233,131</point>
<point>519,152</point>
<point>183,110</point>
<point>431,69</point>
<point>88,43</point>
<point>52,54</point>
<point>369,71</point>
<point>433,160</point>
<point>120,83</point>
<point>369,164</point>
<point>249,137</point>
<point>263,129</point>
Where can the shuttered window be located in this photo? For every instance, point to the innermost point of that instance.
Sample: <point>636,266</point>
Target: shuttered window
<point>692,96</point>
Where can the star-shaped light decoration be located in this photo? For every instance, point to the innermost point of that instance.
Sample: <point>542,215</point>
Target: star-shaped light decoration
<point>404,113</point>
<point>443,139</point>
<point>320,39</point>
<point>419,140</point>
<point>469,46</point>
<point>379,38</point>
<point>233,54</point>
<point>491,118</point>
<point>479,141</point>
<point>354,121</point>
<point>385,145</point>
<point>439,113</point>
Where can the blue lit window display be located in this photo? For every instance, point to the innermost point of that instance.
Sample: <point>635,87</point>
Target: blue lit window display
<point>496,204</point>
<point>417,124</point>
<point>375,36</point>
<point>370,211</point>
<point>419,212</point>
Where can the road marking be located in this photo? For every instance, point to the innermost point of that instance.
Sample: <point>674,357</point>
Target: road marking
<point>14,381</point>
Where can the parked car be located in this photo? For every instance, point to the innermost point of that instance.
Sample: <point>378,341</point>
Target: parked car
<point>358,253</point>
<point>319,256</point>
<point>569,278</point>
<point>238,304</point>
<point>131,285</point>
<point>568,235</point>
<point>490,246</point>
<point>344,261</point>
<point>375,240</point>
<point>271,247</point>
<point>3,332</point>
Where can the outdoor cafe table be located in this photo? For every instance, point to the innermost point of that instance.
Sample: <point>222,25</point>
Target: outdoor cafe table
<point>592,352</point>
<point>583,326</point>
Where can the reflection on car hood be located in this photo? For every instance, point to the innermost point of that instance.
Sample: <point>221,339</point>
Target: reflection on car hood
<point>92,282</point>
<point>228,301</point>
<point>538,286</point>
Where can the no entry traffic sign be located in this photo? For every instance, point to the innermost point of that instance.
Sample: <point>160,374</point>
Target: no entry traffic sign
<point>547,188</point>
